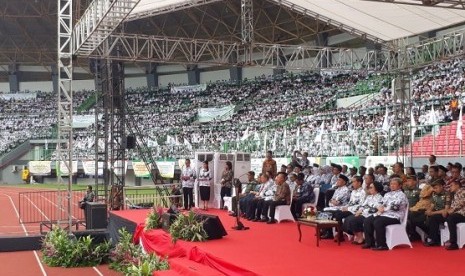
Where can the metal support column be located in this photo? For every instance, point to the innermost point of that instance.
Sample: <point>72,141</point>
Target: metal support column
<point>247,30</point>
<point>64,147</point>
<point>115,94</point>
<point>101,127</point>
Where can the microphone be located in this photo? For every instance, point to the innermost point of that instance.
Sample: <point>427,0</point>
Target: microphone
<point>237,182</point>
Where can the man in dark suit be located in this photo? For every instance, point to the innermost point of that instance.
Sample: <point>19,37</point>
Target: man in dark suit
<point>281,197</point>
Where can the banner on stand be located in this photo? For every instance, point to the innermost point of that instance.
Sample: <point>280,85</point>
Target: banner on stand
<point>40,167</point>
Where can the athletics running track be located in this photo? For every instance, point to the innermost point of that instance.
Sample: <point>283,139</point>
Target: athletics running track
<point>27,263</point>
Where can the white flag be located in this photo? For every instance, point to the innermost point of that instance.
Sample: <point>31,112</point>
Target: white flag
<point>433,120</point>
<point>284,137</point>
<point>350,128</point>
<point>273,146</point>
<point>319,135</point>
<point>386,124</point>
<point>168,140</point>
<point>187,144</point>
<point>246,134</point>
<point>256,138</point>
<point>334,127</point>
<point>458,133</point>
<point>413,128</point>
<point>265,140</point>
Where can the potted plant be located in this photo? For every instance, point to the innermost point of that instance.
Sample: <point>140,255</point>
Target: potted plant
<point>309,212</point>
<point>188,227</point>
<point>130,259</point>
<point>153,220</point>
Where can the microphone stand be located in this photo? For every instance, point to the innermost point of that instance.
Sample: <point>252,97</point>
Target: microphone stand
<point>239,225</point>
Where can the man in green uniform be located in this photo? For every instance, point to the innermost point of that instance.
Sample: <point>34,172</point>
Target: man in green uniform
<point>413,195</point>
<point>437,214</point>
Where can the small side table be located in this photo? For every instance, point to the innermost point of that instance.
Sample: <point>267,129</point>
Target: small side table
<point>318,225</point>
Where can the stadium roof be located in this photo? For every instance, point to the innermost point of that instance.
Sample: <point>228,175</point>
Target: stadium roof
<point>28,28</point>
<point>147,8</point>
<point>385,21</point>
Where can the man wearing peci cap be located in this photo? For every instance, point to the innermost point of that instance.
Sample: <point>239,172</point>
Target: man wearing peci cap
<point>436,214</point>
<point>303,193</point>
<point>281,197</point>
<point>339,199</point>
<point>454,176</point>
<point>357,197</point>
<point>337,171</point>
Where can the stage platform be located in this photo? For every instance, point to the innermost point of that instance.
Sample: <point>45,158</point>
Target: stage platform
<point>275,250</point>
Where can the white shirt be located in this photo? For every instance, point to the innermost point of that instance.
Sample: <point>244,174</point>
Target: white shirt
<point>204,178</point>
<point>190,172</point>
<point>356,199</point>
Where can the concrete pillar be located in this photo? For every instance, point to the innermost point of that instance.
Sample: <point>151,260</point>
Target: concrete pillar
<point>54,78</point>
<point>280,71</point>
<point>151,75</point>
<point>193,74</point>
<point>13,77</point>
<point>235,72</point>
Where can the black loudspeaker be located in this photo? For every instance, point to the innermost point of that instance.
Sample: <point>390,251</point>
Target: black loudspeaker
<point>213,226</point>
<point>130,142</point>
<point>166,221</point>
<point>96,215</point>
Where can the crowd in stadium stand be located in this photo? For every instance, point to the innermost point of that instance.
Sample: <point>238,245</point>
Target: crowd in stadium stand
<point>30,118</point>
<point>277,108</point>
<point>362,200</point>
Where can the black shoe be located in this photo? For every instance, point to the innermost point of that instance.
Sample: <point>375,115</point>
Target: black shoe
<point>431,244</point>
<point>341,239</point>
<point>452,246</point>
<point>380,248</point>
<point>271,221</point>
<point>256,219</point>
<point>326,236</point>
<point>233,215</point>
<point>264,220</point>
<point>367,246</point>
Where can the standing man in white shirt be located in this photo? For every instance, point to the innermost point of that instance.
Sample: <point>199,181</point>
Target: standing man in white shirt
<point>188,176</point>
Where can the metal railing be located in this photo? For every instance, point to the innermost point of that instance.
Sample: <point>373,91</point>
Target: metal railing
<point>147,197</point>
<point>45,206</point>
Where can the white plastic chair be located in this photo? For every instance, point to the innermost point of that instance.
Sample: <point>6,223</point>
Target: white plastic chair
<point>445,235</point>
<point>396,234</point>
<point>228,199</point>
<point>316,192</point>
<point>461,234</point>
<point>444,232</point>
<point>421,233</point>
<point>283,212</point>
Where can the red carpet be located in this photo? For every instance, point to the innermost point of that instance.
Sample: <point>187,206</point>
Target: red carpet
<point>275,250</point>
